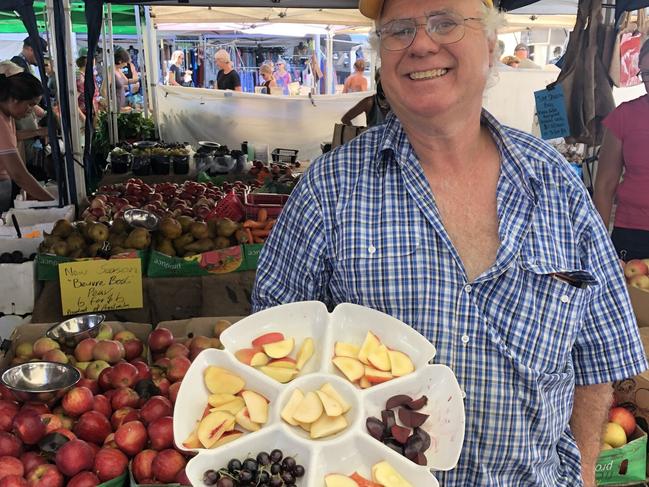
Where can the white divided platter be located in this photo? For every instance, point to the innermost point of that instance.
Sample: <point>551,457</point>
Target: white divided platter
<point>352,449</point>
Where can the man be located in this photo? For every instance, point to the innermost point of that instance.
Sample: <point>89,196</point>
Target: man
<point>481,238</point>
<point>27,58</point>
<point>522,52</point>
<point>227,78</point>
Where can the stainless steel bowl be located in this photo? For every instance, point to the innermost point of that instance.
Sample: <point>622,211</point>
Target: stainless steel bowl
<point>40,381</point>
<point>70,332</point>
<point>141,218</point>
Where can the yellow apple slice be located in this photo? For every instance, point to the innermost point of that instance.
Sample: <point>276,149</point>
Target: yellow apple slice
<point>257,406</point>
<point>377,376</point>
<point>243,419</point>
<point>286,362</point>
<point>350,367</point>
<point>192,440</point>
<point>232,407</point>
<point>363,383</point>
<point>370,344</point>
<point>400,363</point>
<point>342,349</point>
<point>251,356</point>
<point>216,400</point>
<point>329,390</point>
<point>338,480</point>
<point>212,427</point>
<point>227,437</point>
<point>379,358</point>
<point>222,381</point>
<point>279,349</point>
<point>305,352</point>
<point>309,409</point>
<point>305,426</point>
<point>383,473</point>
<point>280,374</point>
<point>331,406</point>
<point>291,405</point>
<point>327,426</point>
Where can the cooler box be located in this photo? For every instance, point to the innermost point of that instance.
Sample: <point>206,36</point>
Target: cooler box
<point>19,287</point>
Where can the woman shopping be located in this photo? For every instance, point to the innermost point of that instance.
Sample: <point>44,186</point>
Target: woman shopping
<point>19,94</point>
<point>625,153</point>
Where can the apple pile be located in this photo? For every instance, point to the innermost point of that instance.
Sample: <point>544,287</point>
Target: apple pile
<point>621,425</point>
<point>371,363</point>
<point>383,475</point>
<point>405,436</point>
<point>270,354</point>
<point>228,404</point>
<point>320,413</point>
<point>636,272</point>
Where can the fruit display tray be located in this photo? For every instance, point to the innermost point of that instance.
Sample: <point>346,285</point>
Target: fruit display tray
<point>352,449</point>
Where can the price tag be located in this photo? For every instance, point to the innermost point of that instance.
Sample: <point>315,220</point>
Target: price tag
<point>100,285</point>
<point>551,110</point>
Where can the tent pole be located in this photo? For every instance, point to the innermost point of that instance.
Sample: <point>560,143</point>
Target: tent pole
<point>151,64</point>
<point>331,83</point>
<point>143,71</point>
<point>109,72</point>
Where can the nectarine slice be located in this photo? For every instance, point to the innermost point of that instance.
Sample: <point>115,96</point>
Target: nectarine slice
<point>329,389</point>
<point>370,344</point>
<point>400,363</point>
<point>212,427</point>
<point>222,381</point>
<point>217,399</point>
<point>257,406</point>
<point>227,437</point>
<point>243,419</point>
<point>291,405</point>
<point>350,367</point>
<point>192,440</point>
<point>232,407</point>
<point>327,426</point>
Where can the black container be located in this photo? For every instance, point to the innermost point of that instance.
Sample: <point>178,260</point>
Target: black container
<point>181,164</point>
<point>141,165</point>
<point>160,164</point>
<point>120,164</point>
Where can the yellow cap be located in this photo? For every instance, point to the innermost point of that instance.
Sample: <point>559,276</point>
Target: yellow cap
<point>372,8</point>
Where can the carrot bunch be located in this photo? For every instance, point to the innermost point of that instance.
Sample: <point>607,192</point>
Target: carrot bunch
<point>258,230</point>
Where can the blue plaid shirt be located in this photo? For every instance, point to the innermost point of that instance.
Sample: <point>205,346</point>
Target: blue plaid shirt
<point>362,227</point>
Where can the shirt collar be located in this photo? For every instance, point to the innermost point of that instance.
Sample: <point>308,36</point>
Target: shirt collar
<point>394,147</point>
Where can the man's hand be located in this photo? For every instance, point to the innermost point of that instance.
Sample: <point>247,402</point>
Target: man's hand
<point>589,415</point>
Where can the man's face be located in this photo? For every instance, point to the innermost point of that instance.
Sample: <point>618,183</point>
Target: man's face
<point>428,77</point>
<point>28,52</point>
<point>48,68</point>
<point>521,54</point>
<point>20,108</point>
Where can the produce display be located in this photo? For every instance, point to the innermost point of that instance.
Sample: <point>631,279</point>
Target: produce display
<point>636,272</point>
<point>621,425</point>
<point>383,475</point>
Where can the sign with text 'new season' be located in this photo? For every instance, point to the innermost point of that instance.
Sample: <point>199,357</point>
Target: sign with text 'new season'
<point>100,285</point>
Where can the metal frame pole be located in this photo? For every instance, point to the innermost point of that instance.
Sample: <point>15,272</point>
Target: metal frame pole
<point>109,75</point>
<point>151,61</point>
<point>331,83</point>
<point>143,65</point>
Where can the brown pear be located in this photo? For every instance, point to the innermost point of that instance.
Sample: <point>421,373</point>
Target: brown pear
<point>170,228</point>
<point>119,226</point>
<point>199,230</point>
<point>62,228</point>
<point>185,221</point>
<point>226,227</point>
<point>75,242</point>
<point>166,247</point>
<point>182,241</point>
<point>60,248</point>
<point>98,232</point>
<point>221,243</point>
<point>138,239</point>
<point>200,246</point>
<point>94,248</point>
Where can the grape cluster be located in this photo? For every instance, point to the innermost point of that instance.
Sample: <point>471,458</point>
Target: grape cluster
<point>267,470</point>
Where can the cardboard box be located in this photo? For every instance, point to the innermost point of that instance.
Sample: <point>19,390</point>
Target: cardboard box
<point>195,326</point>
<point>221,261</point>
<point>47,265</point>
<point>626,465</point>
<point>19,288</point>
<point>640,303</point>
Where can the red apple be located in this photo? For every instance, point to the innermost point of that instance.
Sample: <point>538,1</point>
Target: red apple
<point>101,404</point>
<point>123,375</point>
<point>66,432</point>
<point>154,408</point>
<point>163,384</point>
<point>177,350</point>
<point>109,463</point>
<point>167,464</point>
<point>163,363</point>
<point>51,422</point>
<point>160,339</point>
<point>124,397</point>
<point>624,418</point>
<point>178,368</point>
<point>94,427</point>
<point>95,368</point>
<point>143,371</point>
<point>161,433</point>
<point>141,465</point>
<point>133,349</point>
<point>46,475</point>
<point>131,437</point>
<point>8,410</point>
<point>6,393</point>
<point>31,459</point>
<point>632,268</point>
<point>73,457</point>
<point>28,427</point>
<point>124,336</point>
<point>124,415</point>
<point>110,351</point>
<point>83,350</point>
<point>109,394</point>
<point>37,407</point>
<point>93,385</point>
<point>77,401</point>
<point>13,481</point>
<point>84,479</point>
<point>173,391</point>
<point>182,478</point>
<point>11,466</point>
<point>10,445</point>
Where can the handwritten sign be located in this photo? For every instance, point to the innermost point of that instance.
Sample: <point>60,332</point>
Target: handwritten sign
<point>551,110</point>
<point>100,285</point>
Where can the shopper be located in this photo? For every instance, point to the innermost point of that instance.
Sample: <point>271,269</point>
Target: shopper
<point>227,78</point>
<point>480,237</point>
<point>20,92</point>
<point>522,52</point>
<point>511,61</point>
<point>357,81</point>
<point>175,73</point>
<point>27,58</point>
<point>282,76</point>
<point>624,151</point>
<point>375,107</point>
<point>266,73</point>
<point>121,81</point>
<point>81,90</point>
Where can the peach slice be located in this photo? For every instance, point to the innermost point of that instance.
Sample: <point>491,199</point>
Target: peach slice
<point>280,374</point>
<point>309,409</point>
<point>212,427</point>
<point>384,474</point>
<point>222,381</point>
<point>377,376</point>
<point>329,390</point>
<point>400,363</point>
<point>327,426</point>
<point>286,362</point>
<point>305,352</point>
<point>216,400</point>
<point>232,407</point>
<point>243,419</point>
<point>192,440</point>
<point>331,406</point>
<point>227,437</point>
<point>257,406</point>
<point>350,367</point>
<point>379,358</point>
<point>338,480</point>
<point>291,406</point>
<point>342,349</point>
<point>251,356</point>
<point>279,349</point>
<point>370,344</point>
<point>267,338</point>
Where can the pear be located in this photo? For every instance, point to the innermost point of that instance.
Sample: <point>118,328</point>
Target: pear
<point>241,236</point>
<point>117,250</point>
<point>221,243</point>
<point>200,246</point>
<point>212,228</point>
<point>226,227</point>
<point>182,241</point>
<point>166,247</point>
<point>138,239</point>
<point>60,248</point>
<point>170,228</point>
<point>199,230</point>
<point>119,226</point>
<point>117,239</point>
<point>94,248</point>
<point>185,221</point>
<point>75,242</point>
<point>98,232</point>
<point>62,228</point>
<point>82,228</point>
<point>78,253</point>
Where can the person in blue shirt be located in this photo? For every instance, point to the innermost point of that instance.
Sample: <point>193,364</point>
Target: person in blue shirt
<point>479,236</point>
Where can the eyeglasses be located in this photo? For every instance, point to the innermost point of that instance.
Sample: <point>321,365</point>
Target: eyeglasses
<point>643,75</point>
<point>443,28</point>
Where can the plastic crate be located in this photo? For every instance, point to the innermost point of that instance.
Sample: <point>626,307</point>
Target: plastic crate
<point>287,156</point>
<point>229,207</point>
<point>273,203</point>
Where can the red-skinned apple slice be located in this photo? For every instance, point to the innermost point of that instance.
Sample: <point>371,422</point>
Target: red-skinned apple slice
<point>267,338</point>
<point>279,349</point>
<point>286,362</point>
<point>362,481</point>
<point>384,474</point>
<point>350,367</point>
<point>379,358</point>
<point>280,374</point>
<point>376,376</point>
<point>339,480</point>
<point>252,356</point>
<point>257,406</point>
<point>327,426</point>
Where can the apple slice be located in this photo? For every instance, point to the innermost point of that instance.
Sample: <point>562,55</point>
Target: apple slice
<point>279,349</point>
<point>400,363</point>
<point>227,437</point>
<point>350,367</point>
<point>252,356</point>
<point>363,383</point>
<point>232,407</point>
<point>362,481</point>
<point>327,426</point>
<point>338,480</point>
<point>243,419</point>
<point>309,409</point>
<point>384,474</point>
<point>305,352</point>
<point>291,406</point>
<point>342,349</point>
<point>370,344</point>
<point>222,381</point>
<point>192,440</point>
<point>329,390</point>
<point>377,376</point>
<point>305,426</point>
<point>267,338</point>
<point>257,406</point>
<point>216,400</point>
<point>286,362</point>
<point>280,374</point>
<point>379,358</point>
<point>212,427</point>
<point>331,406</point>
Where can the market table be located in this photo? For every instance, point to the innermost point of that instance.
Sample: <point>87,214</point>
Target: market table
<point>165,299</point>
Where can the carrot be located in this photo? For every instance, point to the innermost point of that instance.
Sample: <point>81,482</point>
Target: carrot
<point>253,224</point>
<point>262,216</point>
<point>249,235</point>
<point>260,233</point>
<point>270,224</point>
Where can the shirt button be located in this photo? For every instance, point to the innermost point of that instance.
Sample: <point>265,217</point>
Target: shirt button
<point>564,299</point>
<point>465,339</point>
<point>467,288</point>
<point>371,249</point>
